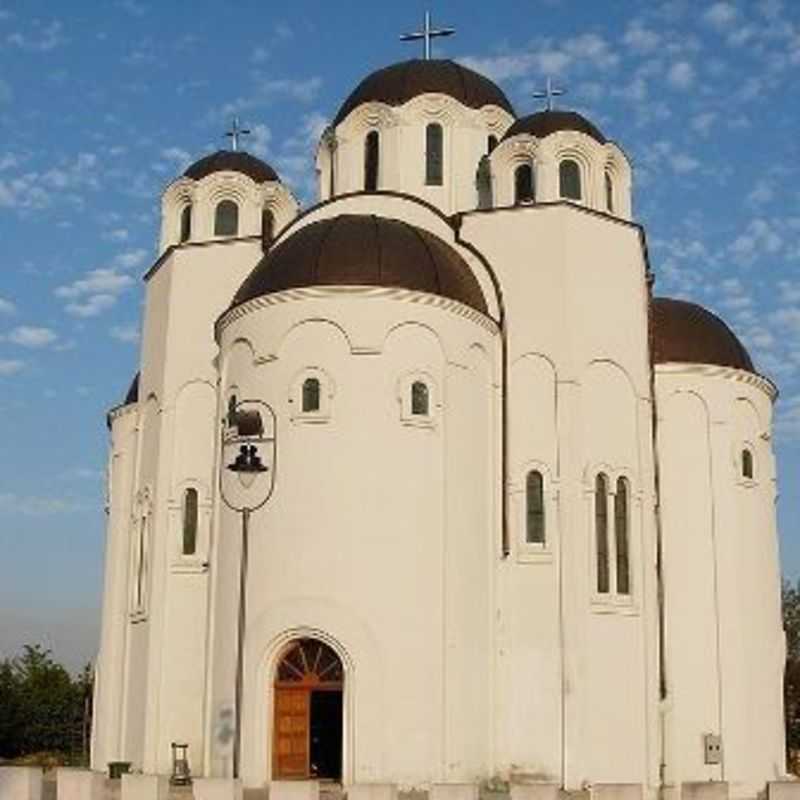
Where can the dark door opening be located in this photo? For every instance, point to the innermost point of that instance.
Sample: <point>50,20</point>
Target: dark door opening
<point>326,734</point>
<point>307,732</point>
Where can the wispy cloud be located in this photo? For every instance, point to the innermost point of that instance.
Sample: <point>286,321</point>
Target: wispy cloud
<point>32,336</point>
<point>38,506</point>
<point>10,366</point>
<point>129,334</point>
<point>43,38</point>
<point>6,306</point>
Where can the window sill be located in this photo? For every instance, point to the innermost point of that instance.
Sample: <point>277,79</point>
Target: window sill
<point>534,554</point>
<point>311,418</point>
<point>189,566</point>
<point>614,604</point>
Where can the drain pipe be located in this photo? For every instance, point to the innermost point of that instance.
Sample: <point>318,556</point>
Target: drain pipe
<point>662,664</point>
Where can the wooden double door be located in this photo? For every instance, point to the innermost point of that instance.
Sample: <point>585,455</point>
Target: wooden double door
<point>308,714</point>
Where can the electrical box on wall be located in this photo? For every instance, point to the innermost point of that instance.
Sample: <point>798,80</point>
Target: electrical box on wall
<point>712,744</point>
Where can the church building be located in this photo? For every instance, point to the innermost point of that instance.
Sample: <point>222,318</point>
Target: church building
<point>424,485</point>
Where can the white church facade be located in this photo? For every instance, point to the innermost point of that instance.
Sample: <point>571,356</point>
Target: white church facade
<point>422,485</point>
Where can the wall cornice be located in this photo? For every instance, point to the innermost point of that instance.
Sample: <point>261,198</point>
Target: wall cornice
<point>714,371</point>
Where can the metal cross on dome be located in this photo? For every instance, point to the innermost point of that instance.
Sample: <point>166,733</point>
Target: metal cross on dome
<point>235,133</point>
<point>548,93</point>
<point>427,34</point>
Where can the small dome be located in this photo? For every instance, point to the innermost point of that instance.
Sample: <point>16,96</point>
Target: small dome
<point>398,83</point>
<point>233,161</point>
<point>364,250</point>
<point>133,391</point>
<point>543,123</point>
<point>688,333</point>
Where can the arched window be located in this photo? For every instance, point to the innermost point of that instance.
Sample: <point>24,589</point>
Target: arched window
<point>371,161</point>
<point>186,223</point>
<point>483,182</point>
<point>189,522</point>
<point>491,143</point>
<point>534,508</point>
<point>747,464</point>
<point>601,532</point>
<point>434,155</point>
<point>267,229</point>
<point>523,184</point>
<point>226,219</point>
<point>420,399</point>
<point>569,174</point>
<point>311,395</point>
<point>609,194</point>
<point>621,533</point>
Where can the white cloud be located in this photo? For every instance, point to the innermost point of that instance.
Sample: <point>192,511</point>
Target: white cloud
<point>702,122</point>
<point>258,143</point>
<point>177,156</point>
<point>131,259</point>
<point>38,506</point>
<point>93,305</point>
<point>45,38</point>
<point>683,163</point>
<point>30,336</point>
<point>681,75</point>
<point>117,235</point>
<point>10,366</point>
<point>97,281</point>
<point>720,15</point>
<point>125,333</point>
<point>640,38</point>
<point>761,194</point>
<point>6,306</point>
<point>759,237</point>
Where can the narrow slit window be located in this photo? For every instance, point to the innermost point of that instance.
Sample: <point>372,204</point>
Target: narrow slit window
<point>534,502</point>
<point>141,567</point>
<point>267,229</point>
<point>420,399</point>
<point>371,161</point>
<point>621,536</point>
<point>491,143</point>
<point>601,532</point>
<point>311,395</point>
<point>434,155</point>
<point>609,194</point>
<point>523,184</point>
<point>226,219</point>
<point>747,464</point>
<point>569,174</point>
<point>190,515</point>
<point>186,223</point>
<point>483,182</point>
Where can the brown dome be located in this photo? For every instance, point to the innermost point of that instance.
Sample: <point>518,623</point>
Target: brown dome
<point>364,250</point>
<point>398,83</point>
<point>233,161</point>
<point>688,333</point>
<point>544,123</point>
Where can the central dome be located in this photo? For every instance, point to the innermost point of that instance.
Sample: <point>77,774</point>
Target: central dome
<point>364,250</point>
<point>399,83</point>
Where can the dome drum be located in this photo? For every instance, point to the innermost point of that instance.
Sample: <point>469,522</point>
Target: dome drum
<point>224,195</point>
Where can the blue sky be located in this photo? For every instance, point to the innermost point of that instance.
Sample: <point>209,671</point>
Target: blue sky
<point>103,103</point>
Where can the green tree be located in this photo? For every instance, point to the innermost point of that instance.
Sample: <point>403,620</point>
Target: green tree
<point>791,680</point>
<point>42,709</point>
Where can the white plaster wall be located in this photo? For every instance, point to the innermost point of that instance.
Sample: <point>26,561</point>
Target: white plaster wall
<point>381,539</point>
<point>111,656</point>
<point>723,591</point>
<point>573,286</point>
<point>402,149</point>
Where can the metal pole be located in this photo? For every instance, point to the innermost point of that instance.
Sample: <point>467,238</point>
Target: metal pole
<point>237,741</point>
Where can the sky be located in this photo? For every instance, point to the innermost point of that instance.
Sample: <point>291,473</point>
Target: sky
<point>103,103</point>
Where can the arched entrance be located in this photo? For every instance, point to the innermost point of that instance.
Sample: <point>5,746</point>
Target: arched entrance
<point>307,730</point>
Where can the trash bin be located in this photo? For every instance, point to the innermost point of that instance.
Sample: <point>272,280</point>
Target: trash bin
<point>116,769</point>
